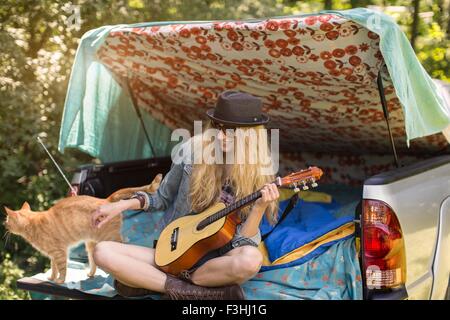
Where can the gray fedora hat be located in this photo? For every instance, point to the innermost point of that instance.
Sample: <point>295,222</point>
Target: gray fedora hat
<point>238,109</point>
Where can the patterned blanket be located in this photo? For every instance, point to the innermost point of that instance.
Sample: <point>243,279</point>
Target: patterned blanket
<point>334,274</point>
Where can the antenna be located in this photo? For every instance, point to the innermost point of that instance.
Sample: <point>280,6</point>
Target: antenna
<point>60,171</point>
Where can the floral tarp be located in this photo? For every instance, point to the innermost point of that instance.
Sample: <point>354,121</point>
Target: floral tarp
<point>316,75</point>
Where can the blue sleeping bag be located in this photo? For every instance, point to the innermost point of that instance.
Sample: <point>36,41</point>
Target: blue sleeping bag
<point>307,222</point>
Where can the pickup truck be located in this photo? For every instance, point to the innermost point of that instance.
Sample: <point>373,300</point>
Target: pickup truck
<point>343,99</point>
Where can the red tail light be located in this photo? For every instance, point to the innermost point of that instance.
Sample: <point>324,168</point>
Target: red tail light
<point>384,250</point>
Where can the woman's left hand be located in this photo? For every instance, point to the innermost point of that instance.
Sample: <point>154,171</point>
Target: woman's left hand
<point>269,194</point>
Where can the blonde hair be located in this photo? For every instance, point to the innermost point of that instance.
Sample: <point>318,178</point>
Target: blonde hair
<point>246,176</point>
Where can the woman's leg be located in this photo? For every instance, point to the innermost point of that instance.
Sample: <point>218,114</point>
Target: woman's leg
<point>130,264</point>
<point>235,267</point>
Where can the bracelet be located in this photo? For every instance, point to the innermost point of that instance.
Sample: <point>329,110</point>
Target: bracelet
<point>143,199</point>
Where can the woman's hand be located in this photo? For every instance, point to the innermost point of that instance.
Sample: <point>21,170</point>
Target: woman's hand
<point>269,194</point>
<point>106,212</point>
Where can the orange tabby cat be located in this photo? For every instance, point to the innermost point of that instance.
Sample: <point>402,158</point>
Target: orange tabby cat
<point>67,223</point>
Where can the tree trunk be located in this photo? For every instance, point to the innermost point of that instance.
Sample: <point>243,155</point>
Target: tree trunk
<point>415,24</point>
<point>448,22</point>
<point>328,4</point>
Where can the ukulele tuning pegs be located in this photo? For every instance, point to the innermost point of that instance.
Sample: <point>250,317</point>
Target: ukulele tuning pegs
<point>296,189</point>
<point>314,183</point>
<point>305,187</point>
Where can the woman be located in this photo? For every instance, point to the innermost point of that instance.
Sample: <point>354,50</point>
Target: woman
<point>188,188</point>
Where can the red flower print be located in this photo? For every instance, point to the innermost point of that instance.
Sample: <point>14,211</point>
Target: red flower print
<point>351,49</point>
<point>329,64</point>
<point>299,95</point>
<point>172,82</point>
<point>325,55</point>
<point>185,33</point>
<point>236,62</point>
<point>324,17</point>
<point>269,43</point>
<point>305,103</point>
<point>298,51</point>
<point>272,25</point>
<point>332,35</point>
<point>285,24</point>
<point>244,69</point>
<point>378,55</point>
<point>363,47</point>
<point>372,35</point>
<point>237,46</point>
<point>354,60</point>
<point>205,47</point>
<point>311,21</point>
<point>293,41</point>
<point>346,71</point>
<point>211,38</point>
<point>302,31</point>
<point>218,26</point>
<point>351,78</point>
<point>196,49</point>
<point>282,91</point>
<point>246,62</point>
<point>200,39</point>
<point>196,31</point>
<point>236,77</point>
<point>185,49</point>
<point>211,56</point>
<point>274,53</point>
<point>290,33</point>
<point>338,53</point>
<point>257,62</point>
<point>286,52</point>
<point>314,57</point>
<point>281,43</point>
<point>232,35</point>
<point>154,29</point>
<point>230,84</point>
<point>340,282</point>
<point>326,26</point>
<point>254,35</point>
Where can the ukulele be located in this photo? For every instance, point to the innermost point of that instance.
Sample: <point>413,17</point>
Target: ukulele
<point>186,240</point>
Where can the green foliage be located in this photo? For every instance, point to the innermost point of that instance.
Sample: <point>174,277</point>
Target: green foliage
<point>38,44</point>
<point>9,273</point>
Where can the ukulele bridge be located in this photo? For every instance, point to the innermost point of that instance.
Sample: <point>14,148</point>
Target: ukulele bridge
<point>174,239</point>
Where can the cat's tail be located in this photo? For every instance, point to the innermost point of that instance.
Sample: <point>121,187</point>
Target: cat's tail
<point>126,193</point>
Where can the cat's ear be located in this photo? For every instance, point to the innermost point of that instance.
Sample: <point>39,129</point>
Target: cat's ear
<point>25,206</point>
<point>8,210</point>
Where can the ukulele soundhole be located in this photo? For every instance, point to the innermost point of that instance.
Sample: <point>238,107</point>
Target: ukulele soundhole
<point>174,239</point>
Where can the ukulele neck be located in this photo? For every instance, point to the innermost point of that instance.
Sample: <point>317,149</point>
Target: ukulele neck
<point>230,209</point>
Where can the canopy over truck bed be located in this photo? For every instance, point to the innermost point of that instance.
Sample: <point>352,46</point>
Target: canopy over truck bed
<point>317,75</point>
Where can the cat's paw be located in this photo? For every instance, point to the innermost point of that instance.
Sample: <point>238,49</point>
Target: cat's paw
<point>60,281</point>
<point>51,278</point>
<point>91,274</point>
